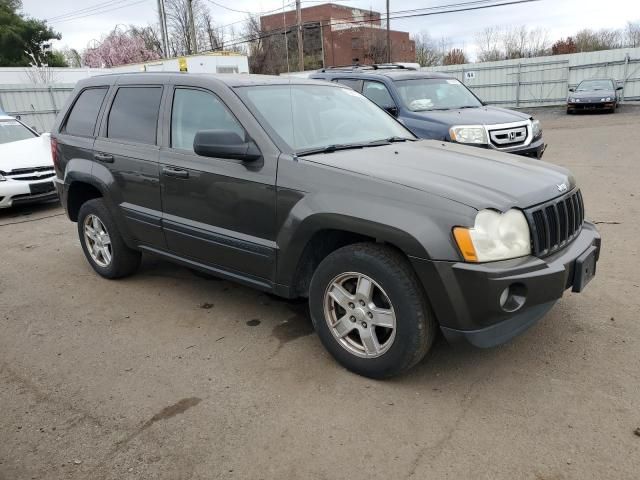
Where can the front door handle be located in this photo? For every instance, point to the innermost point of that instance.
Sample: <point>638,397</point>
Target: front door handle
<point>175,172</point>
<point>103,157</point>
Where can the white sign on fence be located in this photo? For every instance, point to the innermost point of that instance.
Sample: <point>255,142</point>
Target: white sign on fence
<point>469,75</point>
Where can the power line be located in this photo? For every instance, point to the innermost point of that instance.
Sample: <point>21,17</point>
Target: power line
<point>85,10</point>
<point>476,5</point>
<point>246,11</point>
<point>90,14</point>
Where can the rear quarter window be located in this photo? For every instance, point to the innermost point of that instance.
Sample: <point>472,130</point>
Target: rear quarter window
<point>84,113</point>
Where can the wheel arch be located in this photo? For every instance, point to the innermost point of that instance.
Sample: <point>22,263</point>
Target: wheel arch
<point>321,234</point>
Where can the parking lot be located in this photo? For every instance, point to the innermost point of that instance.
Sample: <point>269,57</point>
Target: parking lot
<point>171,375</point>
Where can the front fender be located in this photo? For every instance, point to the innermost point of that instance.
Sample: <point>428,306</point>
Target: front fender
<point>419,231</point>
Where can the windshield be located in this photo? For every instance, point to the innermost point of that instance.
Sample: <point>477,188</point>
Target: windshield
<point>589,85</point>
<point>422,94</point>
<point>12,131</point>
<point>307,117</point>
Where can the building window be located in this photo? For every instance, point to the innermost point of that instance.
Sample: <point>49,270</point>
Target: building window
<point>356,43</point>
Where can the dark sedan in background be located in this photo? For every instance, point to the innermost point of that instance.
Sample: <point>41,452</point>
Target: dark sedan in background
<point>594,95</point>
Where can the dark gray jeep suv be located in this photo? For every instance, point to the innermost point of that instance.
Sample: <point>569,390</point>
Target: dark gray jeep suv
<point>307,189</point>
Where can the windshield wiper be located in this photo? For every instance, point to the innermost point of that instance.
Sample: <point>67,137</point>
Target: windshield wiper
<point>387,141</point>
<point>349,146</point>
<point>330,148</point>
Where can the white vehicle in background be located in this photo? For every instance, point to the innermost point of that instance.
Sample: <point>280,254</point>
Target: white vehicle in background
<point>26,167</point>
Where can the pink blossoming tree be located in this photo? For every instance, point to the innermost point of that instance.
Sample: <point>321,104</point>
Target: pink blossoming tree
<point>120,47</point>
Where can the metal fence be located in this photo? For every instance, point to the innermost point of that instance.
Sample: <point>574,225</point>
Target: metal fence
<point>36,105</point>
<point>544,81</point>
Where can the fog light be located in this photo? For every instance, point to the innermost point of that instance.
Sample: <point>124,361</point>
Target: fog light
<point>513,297</point>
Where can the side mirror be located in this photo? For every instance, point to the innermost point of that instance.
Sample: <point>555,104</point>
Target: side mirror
<point>572,89</point>
<point>225,144</point>
<point>392,109</point>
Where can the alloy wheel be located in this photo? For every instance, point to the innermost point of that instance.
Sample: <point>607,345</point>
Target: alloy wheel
<point>97,240</point>
<point>359,315</point>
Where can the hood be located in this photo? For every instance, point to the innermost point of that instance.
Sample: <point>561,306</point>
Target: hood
<point>472,116</point>
<point>29,153</point>
<point>597,94</point>
<point>476,177</point>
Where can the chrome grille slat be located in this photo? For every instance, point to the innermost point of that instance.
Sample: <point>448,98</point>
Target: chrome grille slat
<point>30,174</point>
<point>555,223</point>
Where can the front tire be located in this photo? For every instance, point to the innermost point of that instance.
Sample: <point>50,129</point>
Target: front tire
<point>370,310</point>
<point>102,242</point>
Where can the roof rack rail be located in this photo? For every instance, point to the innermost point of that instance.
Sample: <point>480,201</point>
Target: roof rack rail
<point>374,66</point>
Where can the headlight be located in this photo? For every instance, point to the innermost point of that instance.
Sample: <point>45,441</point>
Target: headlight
<point>475,134</point>
<point>577,100</point>
<point>494,236</point>
<point>536,128</point>
<point>2,179</point>
<point>608,99</point>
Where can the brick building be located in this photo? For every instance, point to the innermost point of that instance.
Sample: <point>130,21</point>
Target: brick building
<point>340,35</point>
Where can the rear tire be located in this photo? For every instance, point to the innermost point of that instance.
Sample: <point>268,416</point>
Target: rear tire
<point>382,324</point>
<point>102,242</point>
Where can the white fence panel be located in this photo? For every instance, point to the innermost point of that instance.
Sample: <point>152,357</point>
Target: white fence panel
<point>543,81</point>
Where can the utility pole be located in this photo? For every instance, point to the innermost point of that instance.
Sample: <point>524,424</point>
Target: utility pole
<point>163,28</point>
<point>300,45</point>
<point>192,27</point>
<point>388,35</point>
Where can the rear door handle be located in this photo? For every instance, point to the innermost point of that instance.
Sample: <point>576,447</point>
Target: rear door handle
<point>175,172</point>
<point>103,157</point>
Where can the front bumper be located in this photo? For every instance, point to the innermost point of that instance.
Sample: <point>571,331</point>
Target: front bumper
<point>535,149</point>
<point>20,192</point>
<point>596,105</point>
<point>466,296</point>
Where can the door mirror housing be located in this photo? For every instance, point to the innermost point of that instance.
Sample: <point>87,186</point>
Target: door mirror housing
<point>225,144</point>
<point>572,89</point>
<point>392,109</point>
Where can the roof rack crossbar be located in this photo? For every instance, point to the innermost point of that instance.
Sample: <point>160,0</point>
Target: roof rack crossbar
<point>357,66</point>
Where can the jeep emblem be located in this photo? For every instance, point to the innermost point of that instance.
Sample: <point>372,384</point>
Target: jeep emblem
<point>562,187</point>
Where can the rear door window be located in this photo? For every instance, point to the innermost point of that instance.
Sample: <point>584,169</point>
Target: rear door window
<point>84,113</point>
<point>195,110</point>
<point>377,92</point>
<point>134,114</point>
<point>351,83</point>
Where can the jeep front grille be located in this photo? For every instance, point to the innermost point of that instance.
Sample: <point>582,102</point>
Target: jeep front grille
<point>554,224</point>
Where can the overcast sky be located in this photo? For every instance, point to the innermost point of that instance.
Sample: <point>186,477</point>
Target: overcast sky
<point>558,17</point>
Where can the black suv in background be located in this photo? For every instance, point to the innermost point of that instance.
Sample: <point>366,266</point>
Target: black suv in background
<point>437,106</point>
<point>594,94</point>
<point>307,189</point>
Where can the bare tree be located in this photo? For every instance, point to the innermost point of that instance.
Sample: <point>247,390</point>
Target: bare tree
<point>266,50</point>
<point>179,26</point>
<point>427,52</point>
<point>632,34</point>
<point>72,57</point>
<point>150,36</point>
<point>214,35</point>
<point>588,40</point>
<point>488,41</point>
